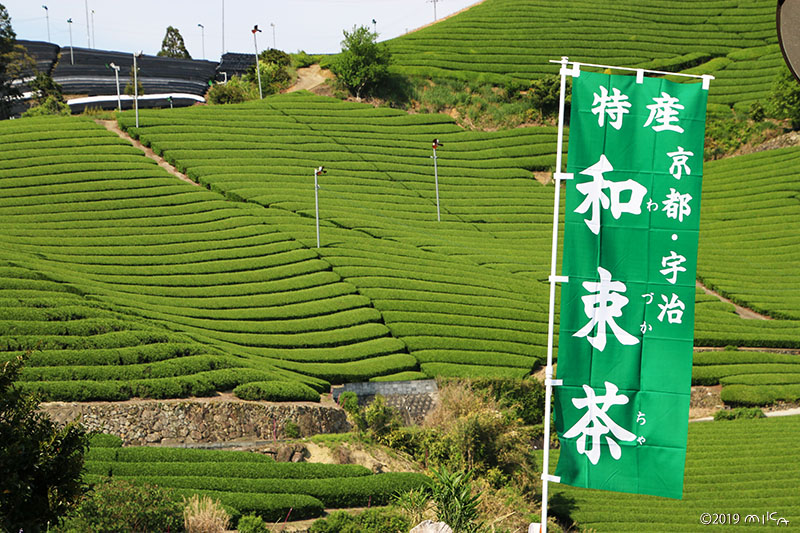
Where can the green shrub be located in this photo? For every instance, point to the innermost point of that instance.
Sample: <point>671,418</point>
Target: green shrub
<point>291,430</point>
<point>349,402</point>
<point>117,506</point>
<point>104,440</point>
<point>276,391</point>
<point>739,412</point>
<point>369,521</point>
<point>785,98</point>
<point>270,507</point>
<point>377,419</point>
<point>524,397</point>
<point>251,523</point>
<point>235,91</point>
<point>451,493</point>
<point>301,59</point>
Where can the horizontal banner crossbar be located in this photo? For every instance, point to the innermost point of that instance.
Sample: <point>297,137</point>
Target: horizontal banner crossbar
<point>660,72</point>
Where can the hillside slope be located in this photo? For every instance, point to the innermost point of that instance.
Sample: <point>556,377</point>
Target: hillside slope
<point>500,40</point>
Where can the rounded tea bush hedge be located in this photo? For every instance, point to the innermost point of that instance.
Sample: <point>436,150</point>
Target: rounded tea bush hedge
<point>276,391</point>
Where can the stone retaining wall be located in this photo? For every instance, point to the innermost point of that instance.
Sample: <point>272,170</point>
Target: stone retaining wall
<point>412,399</point>
<point>173,422</point>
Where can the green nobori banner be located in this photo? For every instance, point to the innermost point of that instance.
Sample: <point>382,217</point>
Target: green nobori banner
<point>630,254</point>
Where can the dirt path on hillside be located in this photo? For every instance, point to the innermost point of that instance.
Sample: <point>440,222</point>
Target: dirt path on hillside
<point>743,312</point>
<point>111,125</point>
<point>309,78</point>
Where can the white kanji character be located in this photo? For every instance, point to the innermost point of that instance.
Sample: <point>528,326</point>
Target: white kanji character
<point>596,198</point>
<point>679,159</point>
<point>665,112</point>
<point>677,205</point>
<point>602,307</point>
<point>615,106</point>
<point>672,308</point>
<point>596,423</point>
<point>672,264</point>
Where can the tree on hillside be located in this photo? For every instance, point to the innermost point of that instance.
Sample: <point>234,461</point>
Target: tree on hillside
<point>40,463</point>
<point>14,61</point>
<point>173,45</point>
<point>46,96</point>
<point>363,63</point>
<point>129,87</point>
<point>785,99</point>
<point>274,77</point>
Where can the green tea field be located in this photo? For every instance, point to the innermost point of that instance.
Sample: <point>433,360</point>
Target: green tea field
<point>500,40</point>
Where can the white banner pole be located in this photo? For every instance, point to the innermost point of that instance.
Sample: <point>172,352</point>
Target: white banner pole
<point>554,279</point>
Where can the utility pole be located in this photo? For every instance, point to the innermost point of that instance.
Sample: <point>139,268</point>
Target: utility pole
<point>94,38</point>
<point>223,27</point>
<point>47,17</point>
<point>116,76</point>
<point>436,144</point>
<point>203,38</point>
<point>274,42</point>
<point>136,85</point>
<point>434,8</point>
<point>88,25</point>
<point>317,172</point>
<point>258,70</point>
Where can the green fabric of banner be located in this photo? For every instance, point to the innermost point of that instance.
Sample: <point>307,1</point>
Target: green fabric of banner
<point>627,312</point>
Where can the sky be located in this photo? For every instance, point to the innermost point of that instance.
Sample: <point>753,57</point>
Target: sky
<point>314,26</point>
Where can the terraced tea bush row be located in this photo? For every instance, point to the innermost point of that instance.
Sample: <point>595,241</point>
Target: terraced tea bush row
<point>362,491</point>
<point>276,391</point>
<point>162,254</point>
<point>755,395</point>
<point>226,469</point>
<point>249,482</point>
<point>146,454</point>
<point>361,201</point>
<point>743,467</point>
<point>500,40</point>
<point>204,383</point>
<point>730,258</point>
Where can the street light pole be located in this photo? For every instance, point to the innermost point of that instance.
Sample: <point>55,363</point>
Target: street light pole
<point>317,172</point>
<point>136,85</point>
<point>436,144</point>
<point>94,38</point>
<point>223,27</point>
<point>434,8</point>
<point>274,42</point>
<point>71,56</point>
<point>258,70</point>
<point>203,38</point>
<point>47,17</point>
<point>88,26</point>
<point>116,76</point>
